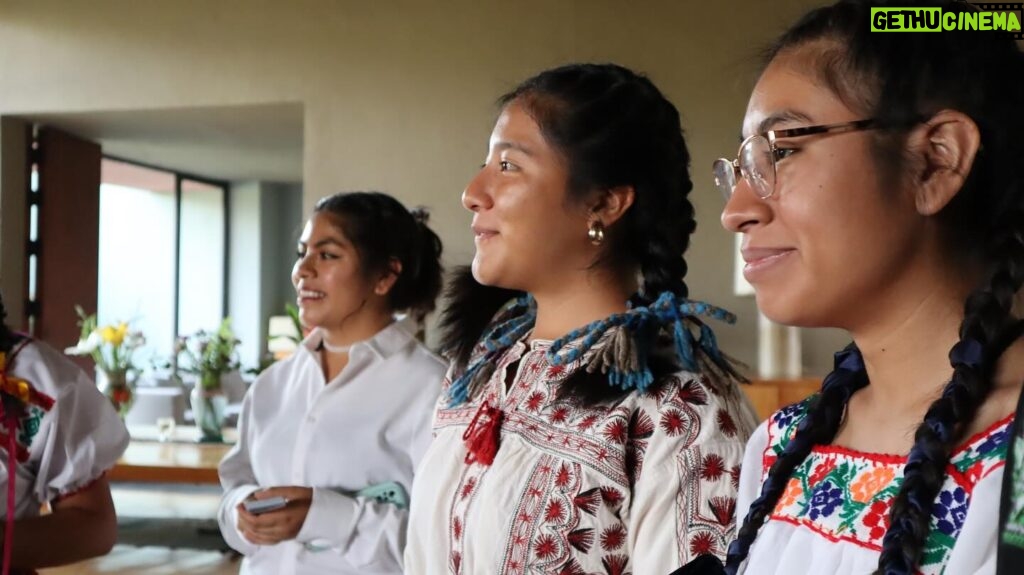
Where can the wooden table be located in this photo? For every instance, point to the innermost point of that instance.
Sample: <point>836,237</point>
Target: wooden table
<point>179,460</point>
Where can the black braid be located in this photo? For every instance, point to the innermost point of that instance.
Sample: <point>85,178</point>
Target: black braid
<point>819,426</point>
<point>989,322</point>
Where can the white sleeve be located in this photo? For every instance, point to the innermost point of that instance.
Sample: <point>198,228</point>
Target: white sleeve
<point>751,471</point>
<point>367,533</point>
<point>239,481</point>
<point>975,550</point>
<point>84,436</point>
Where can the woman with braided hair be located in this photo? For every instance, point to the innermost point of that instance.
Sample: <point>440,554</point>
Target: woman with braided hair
<point>879,190</point>
<point>589,422</point>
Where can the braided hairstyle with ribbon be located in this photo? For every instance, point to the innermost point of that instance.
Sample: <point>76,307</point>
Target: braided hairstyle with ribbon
<point>898,79</point>
<point>614,128</point>
<point>407,240</point>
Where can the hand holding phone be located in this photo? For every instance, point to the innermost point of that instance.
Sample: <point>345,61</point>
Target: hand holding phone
<point>258,506</point>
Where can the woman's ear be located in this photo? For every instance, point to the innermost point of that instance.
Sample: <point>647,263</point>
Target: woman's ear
<point>388,278</point>
<point>612,204</point>
<point>947,144</point>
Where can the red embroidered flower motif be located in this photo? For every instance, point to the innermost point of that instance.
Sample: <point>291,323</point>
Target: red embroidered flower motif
<point>571,567</point>
<point>735,474</point>
<point>640,425</point>
<point>613,537</point>
<point>555,370</point>
<point>562,477</point>
<point>546,547</point>
<point>672,422</point>
<point>611,496</point>
<point>615,431</point>
<point>615,564</point>
<point>582,539</point>
<point>723,508</point>
<point>534,402</point>
<point>726,423</point>
<point>703,543</point>
<point>877,519</point>
<point>467,489</point>
<point>588,501</point>
<point>712,467</point>
<point>457,562</point>
<point>559,414</point>
<point>587,422</point>
<point>820,473</point>
<point>457,528</point>
<point>693,393</point>
<point>555,511</point>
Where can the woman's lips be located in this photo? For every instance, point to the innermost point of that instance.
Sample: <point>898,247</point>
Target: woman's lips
<point>761,261</point>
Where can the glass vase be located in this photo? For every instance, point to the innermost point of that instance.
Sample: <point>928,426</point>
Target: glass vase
<point>208,408</point>
<point>116,385</point>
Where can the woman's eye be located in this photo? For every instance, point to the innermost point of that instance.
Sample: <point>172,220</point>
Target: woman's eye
<point>327,256</point>
<point>505,165</point>
<point>783,153</point>
<point>299,254</point>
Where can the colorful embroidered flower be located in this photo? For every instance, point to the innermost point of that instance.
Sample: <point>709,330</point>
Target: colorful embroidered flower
<point>865,487</point>
<point>877,519</point>
<point>825,500</point>
<point>821,472</point>
<point>785,416</point>
<point>793,492</point>
<point>950,511</point>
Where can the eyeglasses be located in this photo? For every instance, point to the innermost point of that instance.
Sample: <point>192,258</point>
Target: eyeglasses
<point>757,156</point>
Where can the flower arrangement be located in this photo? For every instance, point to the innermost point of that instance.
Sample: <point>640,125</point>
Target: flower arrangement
<point>111,347</point>
<point>209,355</point>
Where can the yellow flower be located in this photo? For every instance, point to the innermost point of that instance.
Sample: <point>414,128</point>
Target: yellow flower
<point>114,335</point>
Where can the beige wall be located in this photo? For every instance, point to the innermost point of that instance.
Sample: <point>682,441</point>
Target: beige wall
<point>399,94</point>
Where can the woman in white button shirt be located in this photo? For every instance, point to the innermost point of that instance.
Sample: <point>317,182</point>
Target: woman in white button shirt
<point>350,409</point>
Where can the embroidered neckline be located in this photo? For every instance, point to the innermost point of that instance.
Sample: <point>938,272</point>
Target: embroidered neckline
<point>891,458</point>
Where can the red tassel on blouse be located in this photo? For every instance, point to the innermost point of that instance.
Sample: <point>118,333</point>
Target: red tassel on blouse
<point>483,435</point>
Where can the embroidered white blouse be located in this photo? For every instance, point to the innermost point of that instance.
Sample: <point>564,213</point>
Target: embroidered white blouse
<point>835,509</point>
<point>68,436</point>
<point>639,486</point>
<point>369,425</point>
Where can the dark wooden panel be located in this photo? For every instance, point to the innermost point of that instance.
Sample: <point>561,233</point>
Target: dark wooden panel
<point>69,225</point>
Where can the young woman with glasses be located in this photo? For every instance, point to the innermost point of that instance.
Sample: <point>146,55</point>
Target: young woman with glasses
<point>879,190</point>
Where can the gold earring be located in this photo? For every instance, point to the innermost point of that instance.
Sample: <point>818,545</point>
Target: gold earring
<point>595,232</point>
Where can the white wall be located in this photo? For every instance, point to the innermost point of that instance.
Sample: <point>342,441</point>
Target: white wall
<point>399,95</point>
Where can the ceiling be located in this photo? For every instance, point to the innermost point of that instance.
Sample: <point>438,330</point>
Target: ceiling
<point>248,142</point>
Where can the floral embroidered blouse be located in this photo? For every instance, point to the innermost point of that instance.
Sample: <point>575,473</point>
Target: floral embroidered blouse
<point>639,486</point>
<point>835,510</point>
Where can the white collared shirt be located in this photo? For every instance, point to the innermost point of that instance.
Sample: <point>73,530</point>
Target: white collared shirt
<point>369,425</point>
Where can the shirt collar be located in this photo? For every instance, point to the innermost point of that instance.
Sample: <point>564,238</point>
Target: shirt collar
<point>386,342</point>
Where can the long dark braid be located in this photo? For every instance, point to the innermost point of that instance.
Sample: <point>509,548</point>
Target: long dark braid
<point>615,128</point>
<point>900,78</point>
<point>819,425</point>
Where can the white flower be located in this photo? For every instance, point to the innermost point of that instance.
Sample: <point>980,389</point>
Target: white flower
<point>86,346</point>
